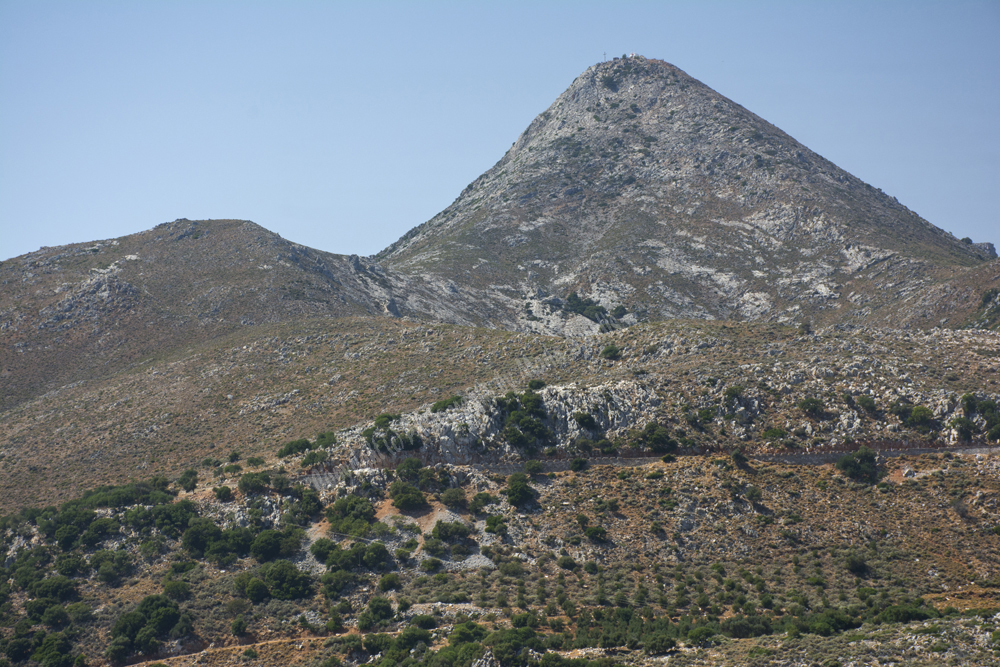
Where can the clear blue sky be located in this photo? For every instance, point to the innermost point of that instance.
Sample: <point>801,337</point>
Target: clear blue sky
<point>342,125</point>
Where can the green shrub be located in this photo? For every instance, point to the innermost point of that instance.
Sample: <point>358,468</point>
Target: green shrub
<point>859,466</point>
<point>964,427</point>
<point>177,590</point>
<point>188,480</point>
<point>867,403</point>
<point>566,563</point>
<point>389,582</point>
<point>495,524</point>
<point>611,351</point>
<point>733,392</point>
<point>480,501</point>
<point>921,418</point>
<point>813,407</point>
<point>430,565</point>
<point>286,582</point>
<point>742,627</point>
<point>446,403</point>
<point>254,482</point>
<point>700,634</point>
<point>444,530</point>
<point>314,457</point>
<point>856,565</point>
<point>223,493</point>
<point>533,467</point>
<point>424,621</point>
<point>586,307</point>
<point>406,497</point>
<point>351,515</point>
<point>518,492</point>
<point>585,420</point>
<point>454,498</point>
<point>578,464</point>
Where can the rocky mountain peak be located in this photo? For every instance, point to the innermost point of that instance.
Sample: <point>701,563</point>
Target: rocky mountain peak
<point>642,188</point>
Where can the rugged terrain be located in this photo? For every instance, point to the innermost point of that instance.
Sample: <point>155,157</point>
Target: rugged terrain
<point>643,188</point>
<point>268,383</point>
<point>220,446</point>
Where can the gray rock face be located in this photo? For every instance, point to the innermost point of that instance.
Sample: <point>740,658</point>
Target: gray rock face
<point>641,187</point>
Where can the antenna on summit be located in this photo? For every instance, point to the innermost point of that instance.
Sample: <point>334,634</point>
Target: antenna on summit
<point>605,57</point>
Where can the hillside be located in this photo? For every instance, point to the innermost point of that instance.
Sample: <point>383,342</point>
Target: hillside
<point>642,188</point>
<point>661,387</point>
<point>265,383</point>
<point>702,562</point>
<point>91,310</point>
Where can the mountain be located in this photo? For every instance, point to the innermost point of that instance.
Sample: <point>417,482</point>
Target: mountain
<point>92,309</point>
<point>641,187</point>
<point>218,446</point>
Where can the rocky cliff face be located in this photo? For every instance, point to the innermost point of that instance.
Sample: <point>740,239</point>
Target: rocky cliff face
<point>642,187</point>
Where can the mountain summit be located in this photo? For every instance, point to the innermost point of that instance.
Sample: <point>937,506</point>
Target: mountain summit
<point>643,189</point>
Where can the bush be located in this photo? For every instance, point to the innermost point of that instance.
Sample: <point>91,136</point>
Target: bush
<point>533,467</point>
<point>286,582</point>
<point>254,482</point>
<point>389,582</point>
<point>867,403</point>
<point>964,427</point>
<point>430,565</point>
<point>596,533</point>
<point>480,501</point>
<point>586,307</point>
<point>424,621</point>
<point>742,627</point>
<point>376,556</point>
<point>700,634</point>
<point>859,466</point>
<point>585,420</point>
<point>611,351</point>
<point>239,626</point>
<point>177,590</point>
<point>518,492</point>
<point>223,493</point>
<point>921,418</point>
<point>351,515</point>
<point>444,530</point>
<point>578,464</point>
<point>813,407</point>
<point>155,617</point>
<point>446,403</point>
<point>295,447</point>
<point>856,565</point>
<point>566,562</point>
<point>380,608</point>
<point>905,614</point>
<point>406,497</point>
<point>188,480</point>
<point>495,525</point>
<point>454,498</point>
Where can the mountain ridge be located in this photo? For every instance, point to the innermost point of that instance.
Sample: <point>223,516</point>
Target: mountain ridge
<point>627,156</point>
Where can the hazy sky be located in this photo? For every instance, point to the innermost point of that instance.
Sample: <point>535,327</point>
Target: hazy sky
<point>342,125</point>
